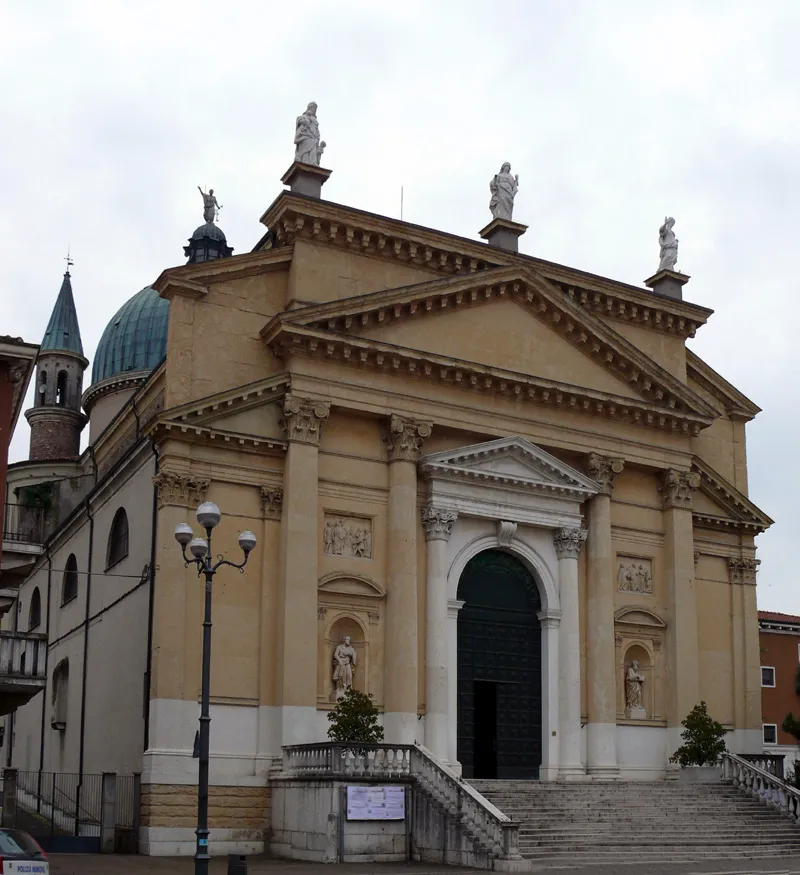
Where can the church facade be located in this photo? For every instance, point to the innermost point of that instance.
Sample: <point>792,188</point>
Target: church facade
<point>507,482</point>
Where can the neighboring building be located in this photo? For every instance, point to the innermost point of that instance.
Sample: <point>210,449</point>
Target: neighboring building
<point>22,656</point>
<point>421,429</point>
<point>780,681</point>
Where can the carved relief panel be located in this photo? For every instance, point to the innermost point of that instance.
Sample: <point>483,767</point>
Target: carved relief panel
<point>349,606</point>
<point>347,536</point>
<point>635,575</point>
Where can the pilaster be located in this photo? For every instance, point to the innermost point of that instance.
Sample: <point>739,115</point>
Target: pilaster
<point>684,690</point>
<point>600,651</point>
<point>403,438</point>
<point>568,544</point>
<point>297,642</point>
<point>552,680</point>
<point>438,525</point>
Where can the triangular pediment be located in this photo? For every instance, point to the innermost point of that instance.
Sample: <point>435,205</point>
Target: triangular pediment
<point>511,461</point>
<point>551,342</point>
<point>722,393</point>
<point>720,505</point>
<point>636,616</point>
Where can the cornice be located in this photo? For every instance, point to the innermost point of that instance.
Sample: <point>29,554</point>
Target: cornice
<point>21,359</point>
<point>164,429</point>
<point>590,334</point>
<point>293,217</point>
<point>743,515</point>
<point>231,400</point>
<point>193,280</point>
<point>115,383</point>
<point>733,402</point>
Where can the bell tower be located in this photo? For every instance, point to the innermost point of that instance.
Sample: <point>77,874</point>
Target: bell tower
<point>56,419</point>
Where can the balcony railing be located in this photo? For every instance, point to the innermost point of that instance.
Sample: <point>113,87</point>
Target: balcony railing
<point>23,524</point>
<point>22,656</point>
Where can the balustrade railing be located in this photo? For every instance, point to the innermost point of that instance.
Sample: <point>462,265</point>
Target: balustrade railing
<point>750,778</point>
<point>483,823</point>
<point>22,655</point>
<point>772,763</point>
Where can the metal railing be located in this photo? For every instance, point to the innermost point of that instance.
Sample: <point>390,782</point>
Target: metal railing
<point>71,806</point>
<point>22,655</point>
<point>23,523</point>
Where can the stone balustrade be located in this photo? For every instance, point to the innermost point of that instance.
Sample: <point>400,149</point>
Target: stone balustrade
<point>487,838</point>
<point>772,763</point>
<point>750,778</point>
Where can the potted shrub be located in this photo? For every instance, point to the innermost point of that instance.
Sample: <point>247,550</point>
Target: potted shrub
<point>703,745</point>
<point>354,720</point>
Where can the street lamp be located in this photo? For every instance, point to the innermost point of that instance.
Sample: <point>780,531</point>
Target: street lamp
<point>208,516</point>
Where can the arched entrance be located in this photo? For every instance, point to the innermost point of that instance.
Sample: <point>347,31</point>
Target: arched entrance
<point>499,669</point>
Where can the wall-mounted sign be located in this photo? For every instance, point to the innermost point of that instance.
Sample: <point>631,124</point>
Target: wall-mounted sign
<point>376,803</point>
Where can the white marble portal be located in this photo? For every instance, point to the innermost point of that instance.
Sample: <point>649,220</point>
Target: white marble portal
<point>509,495</point>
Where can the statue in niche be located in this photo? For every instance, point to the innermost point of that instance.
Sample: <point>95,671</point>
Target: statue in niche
<point>210,206</point>
<point>669,245</point>
<point>504,189</point>
<point>344,664</point>
<point>306,136</point>
<point>633,687</point>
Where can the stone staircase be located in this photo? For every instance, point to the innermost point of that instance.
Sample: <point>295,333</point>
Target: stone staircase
<point>613,823</point>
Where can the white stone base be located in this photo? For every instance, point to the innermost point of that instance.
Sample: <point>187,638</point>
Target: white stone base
<point>400,727</point>
<point>181,842</point>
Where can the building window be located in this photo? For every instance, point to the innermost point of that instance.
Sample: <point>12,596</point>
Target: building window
<point>41,390</point>
<point>767,676</point>
<point>69,586</point>
<point>60,695</point>
<point>61,389</point>
<point>35,610</point>
<point>117,539</point>
<point>770,731</point>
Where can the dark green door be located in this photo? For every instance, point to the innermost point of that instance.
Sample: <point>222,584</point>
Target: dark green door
<point>499,669</point>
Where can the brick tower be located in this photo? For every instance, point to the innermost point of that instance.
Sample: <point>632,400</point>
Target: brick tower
<point>56,420</point>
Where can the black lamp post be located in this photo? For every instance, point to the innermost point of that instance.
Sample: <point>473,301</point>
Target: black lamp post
<point>208,516</point>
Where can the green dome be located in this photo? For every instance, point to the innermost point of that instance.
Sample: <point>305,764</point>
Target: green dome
<point>135,339</point>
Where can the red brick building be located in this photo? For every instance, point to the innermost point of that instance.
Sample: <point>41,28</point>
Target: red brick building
<point>779,637</point>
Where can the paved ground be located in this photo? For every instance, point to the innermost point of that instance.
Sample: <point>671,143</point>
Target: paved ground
<point>67,864</point>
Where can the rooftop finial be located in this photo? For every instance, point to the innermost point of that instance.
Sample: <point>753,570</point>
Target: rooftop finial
<point>210,206</point>
<point>69,261</point>
<point>504,189</point>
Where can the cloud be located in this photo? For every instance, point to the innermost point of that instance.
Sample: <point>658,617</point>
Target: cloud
<point>613,114</point>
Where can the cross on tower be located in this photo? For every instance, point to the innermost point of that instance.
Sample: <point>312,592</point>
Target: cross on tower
<point>69,261</point>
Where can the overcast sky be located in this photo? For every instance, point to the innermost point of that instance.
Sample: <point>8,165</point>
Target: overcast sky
<point>613,113</point>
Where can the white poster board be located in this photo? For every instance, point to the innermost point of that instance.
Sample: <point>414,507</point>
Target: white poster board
<point>376,803</point>
<point>25,867</point>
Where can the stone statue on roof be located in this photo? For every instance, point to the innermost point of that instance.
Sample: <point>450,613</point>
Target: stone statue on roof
<point>210,206</point>
<point>504,189</point>
<point>669,245</point>
<point>306,136</point>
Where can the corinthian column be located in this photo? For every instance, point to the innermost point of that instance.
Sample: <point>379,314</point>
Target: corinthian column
<point>403,439</point>
<point>676,492</point>
<point>601,682</point>
<point>297,641</point>
<point>568,544</point>
<point>438,524</point>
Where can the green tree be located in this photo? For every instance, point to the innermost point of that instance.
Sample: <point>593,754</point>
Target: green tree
<point>355,720</point>
<point>703,739</point>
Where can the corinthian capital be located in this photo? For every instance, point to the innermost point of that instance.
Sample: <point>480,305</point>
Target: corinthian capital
<point>604,469</point>
<point>404,437</point>
<point>569,542</point>
<point>303,418</point>
<point>677,486</point>
<point>438,522</point>
<point>182,490</point>
<point>743,570</point>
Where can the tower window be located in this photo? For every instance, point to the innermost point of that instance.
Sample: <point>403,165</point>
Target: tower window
<point>61,390</point>
<point>35,610</point>
<point>117,539</point>
<point>41,389</point>
<point>69,586</point>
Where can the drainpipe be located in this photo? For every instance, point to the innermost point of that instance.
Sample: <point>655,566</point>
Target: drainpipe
<point>151,604</point>
<point>85,660</point>
<point>46,660</point>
